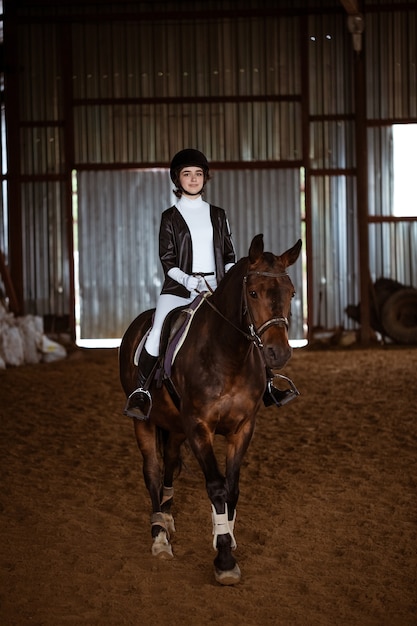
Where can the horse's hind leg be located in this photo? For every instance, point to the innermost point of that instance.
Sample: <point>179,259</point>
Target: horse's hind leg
<point>172,464</point>
<point>160,526</point>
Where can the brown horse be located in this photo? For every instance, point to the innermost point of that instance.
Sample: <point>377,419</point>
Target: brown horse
<point>215,387</point>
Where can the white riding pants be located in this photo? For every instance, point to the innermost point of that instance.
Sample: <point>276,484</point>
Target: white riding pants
<point>166,303</point>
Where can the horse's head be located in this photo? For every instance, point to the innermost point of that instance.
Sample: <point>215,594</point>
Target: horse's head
<point>268,294</point>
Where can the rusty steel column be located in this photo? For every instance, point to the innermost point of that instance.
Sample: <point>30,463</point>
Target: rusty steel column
<point>68,97</point>
<point>305,111</point>
<point>14,207</point>
<point>362,191</point>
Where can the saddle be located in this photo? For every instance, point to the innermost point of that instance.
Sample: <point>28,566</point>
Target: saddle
<point>174,331</point>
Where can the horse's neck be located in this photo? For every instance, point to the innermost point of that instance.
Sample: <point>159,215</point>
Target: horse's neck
<point>224,326</point>
<point>228,297</point>
<point>230,311</point>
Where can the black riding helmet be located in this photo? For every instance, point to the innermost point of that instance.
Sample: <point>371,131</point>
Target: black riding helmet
<point>186,158</point>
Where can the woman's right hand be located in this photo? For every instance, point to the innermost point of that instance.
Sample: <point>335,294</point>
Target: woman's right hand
<point>191,283</point>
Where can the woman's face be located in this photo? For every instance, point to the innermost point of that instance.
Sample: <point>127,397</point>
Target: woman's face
<point>192,180</point>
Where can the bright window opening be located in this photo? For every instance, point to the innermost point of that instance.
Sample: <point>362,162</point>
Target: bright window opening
<point>404,142</point>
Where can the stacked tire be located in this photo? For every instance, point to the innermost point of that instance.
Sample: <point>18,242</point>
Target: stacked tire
<point>399,316</point>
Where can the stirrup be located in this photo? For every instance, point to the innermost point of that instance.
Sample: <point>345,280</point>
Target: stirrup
<point>134,403</point>
<point>279,397</point>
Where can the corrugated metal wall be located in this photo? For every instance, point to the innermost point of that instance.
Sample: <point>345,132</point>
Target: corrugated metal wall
<point>44,203</point>
<point>3,165</point>
<point>391,44</point>
<point>332,161</point>
<point>265,201</point>
<point>118,224</point>
<point>44,231</point>
<point>392,98</point>
<point>211,59</point>
<point>108,89</point>
<point>157,72</point>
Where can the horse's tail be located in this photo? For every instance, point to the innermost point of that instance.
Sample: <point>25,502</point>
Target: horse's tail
<point>162,437</point>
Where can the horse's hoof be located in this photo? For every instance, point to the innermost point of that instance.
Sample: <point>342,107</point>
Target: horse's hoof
<point>231,577</point>
<point>163,553</point>
<point>161,547</point>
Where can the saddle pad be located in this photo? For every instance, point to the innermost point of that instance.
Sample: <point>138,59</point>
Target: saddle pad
<point>178,339</point>
<point>140,346</point>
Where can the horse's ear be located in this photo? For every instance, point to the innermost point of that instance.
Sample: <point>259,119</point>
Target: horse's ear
<point>256,248</point>
<point>290,256</point>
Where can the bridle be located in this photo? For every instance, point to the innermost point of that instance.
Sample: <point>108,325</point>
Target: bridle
<point>254,333</point>
<point>273,321</point>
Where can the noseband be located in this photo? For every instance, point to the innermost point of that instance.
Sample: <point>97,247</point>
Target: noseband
<point>273,321</point>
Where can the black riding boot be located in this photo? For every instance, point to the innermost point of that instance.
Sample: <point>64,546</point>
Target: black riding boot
<point>139,403</point>
<point>276,396</point>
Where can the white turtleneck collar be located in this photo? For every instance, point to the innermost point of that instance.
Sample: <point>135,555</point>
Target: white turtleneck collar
<point>190,203</point>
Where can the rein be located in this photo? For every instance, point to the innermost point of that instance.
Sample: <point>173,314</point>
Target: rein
<point>242,332</point>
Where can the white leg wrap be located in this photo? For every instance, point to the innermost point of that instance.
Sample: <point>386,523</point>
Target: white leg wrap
<point>167,494</point>
<point>222,526</point>
<point>161,546</point>
<point>158,519</point>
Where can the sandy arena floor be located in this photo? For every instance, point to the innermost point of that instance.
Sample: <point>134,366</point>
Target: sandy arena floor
<point>327,518</point>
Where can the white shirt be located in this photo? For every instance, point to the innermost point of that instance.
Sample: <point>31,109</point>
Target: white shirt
<point>196,213</point>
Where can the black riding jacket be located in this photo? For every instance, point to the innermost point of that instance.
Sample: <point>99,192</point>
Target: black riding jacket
<point>175,246</point>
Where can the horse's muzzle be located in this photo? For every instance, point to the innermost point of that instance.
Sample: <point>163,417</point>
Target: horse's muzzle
<point>277,356</point>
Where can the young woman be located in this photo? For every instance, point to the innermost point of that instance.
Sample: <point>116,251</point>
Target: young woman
<point>195,246</point>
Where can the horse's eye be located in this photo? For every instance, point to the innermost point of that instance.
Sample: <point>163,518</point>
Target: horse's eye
<point>293,294</point>
<point>253,294</point>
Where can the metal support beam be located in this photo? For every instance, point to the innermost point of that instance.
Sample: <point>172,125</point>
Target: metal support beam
<point>305,103</point>
<point>356,27</point>
<point>11,94</point>
<point>362,192</point>
<point>68,98</point>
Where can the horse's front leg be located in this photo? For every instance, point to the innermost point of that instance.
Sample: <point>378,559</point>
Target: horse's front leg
<point>226,569</point>
<point>160,526</point>
<point>237,445</point>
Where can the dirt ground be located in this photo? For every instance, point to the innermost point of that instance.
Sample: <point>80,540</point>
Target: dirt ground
<point>327,517</point>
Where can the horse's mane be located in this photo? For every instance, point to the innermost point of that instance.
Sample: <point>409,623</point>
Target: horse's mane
<point>228,296</point>
<point>233,276</point>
